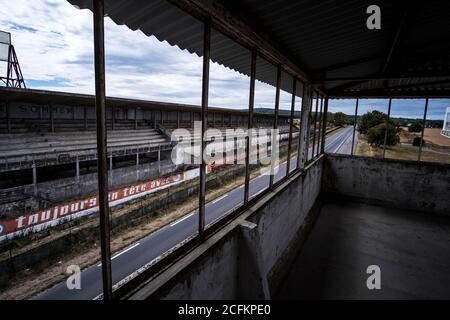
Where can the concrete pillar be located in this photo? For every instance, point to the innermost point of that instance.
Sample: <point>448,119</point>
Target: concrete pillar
<point>159,161</point>
<point>34,178</point>
<point>77,168</point>
<point>137,158</point>
<point>110,163</point>
<point>178,119</point>
<point>252,274</point>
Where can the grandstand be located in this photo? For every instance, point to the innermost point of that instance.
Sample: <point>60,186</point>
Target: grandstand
<point>48,138</point>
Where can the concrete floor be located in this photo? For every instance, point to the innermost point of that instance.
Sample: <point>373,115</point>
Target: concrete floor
<point>412,250</point>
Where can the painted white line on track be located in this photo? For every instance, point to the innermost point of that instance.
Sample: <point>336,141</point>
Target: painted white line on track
<point>222,197</point>
<point>182,219</point>
<point>122,252</point>
<point>339,146</point>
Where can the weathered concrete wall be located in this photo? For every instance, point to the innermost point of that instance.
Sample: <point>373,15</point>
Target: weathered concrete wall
<point>247,258</point>
<point>396,183</point>
<point>72,188</point>
<point>281,221</point>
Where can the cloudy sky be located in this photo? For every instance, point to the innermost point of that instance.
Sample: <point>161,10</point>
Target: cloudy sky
<point>53,41</point>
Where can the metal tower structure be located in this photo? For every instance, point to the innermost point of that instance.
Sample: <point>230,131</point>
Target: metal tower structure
<point>14,77</point>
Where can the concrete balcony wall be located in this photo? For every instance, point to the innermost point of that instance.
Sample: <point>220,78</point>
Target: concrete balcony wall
<point>393,183</point>
<point>247,258</point>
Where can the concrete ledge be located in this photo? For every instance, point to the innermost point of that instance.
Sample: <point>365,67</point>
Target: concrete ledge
<point>419,186</point>
<point>248,257</point>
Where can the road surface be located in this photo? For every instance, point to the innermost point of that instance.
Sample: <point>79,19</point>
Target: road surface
<point>152,246</point>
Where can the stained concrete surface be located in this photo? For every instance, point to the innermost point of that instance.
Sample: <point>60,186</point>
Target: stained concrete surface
<point>412,250</point>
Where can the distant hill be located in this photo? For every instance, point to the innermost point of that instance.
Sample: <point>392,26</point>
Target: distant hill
<point>280,112</point>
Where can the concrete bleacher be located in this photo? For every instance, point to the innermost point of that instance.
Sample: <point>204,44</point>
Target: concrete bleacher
<point>69,125</point>
<point>23,150</point>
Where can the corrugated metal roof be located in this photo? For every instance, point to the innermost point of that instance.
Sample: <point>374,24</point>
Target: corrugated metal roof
<point>320,34</point>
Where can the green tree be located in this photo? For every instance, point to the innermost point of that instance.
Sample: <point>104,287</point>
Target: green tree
<point>340,119</point>
<point>375,135</point>
<point>415,127</point>
<point>371,119</point>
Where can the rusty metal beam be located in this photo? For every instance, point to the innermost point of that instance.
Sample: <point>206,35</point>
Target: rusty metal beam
<point>291,120</point>
<point>204,118</point>
<point>354,125</point>
<point>324,125</point>
<point>100,109</point>
<point>244,31</point>
<point>251,104</point>
<point>423,129</point>
<point>387,125</point>
<point>275,125</point>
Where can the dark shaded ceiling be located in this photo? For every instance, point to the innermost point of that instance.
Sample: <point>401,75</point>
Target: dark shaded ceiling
<point>328,40</point>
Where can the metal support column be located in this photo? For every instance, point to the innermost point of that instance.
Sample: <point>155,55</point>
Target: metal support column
<point>319,138</point>
<point>275,126</point>
<point>354,125</point>
<point>300,142</point>
<point>304,132</point>
<point>251,103</point>
<point>291,124</point>
<point>308,129</point>
<point>100,106</point>
<point>423,129</point>
<point>315,126</point>
<point>387,126</point>
<point>204,118</point>
<point>324,125</point>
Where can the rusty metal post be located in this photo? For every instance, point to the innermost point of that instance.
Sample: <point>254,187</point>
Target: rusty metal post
<point>307,126</point>
<point>315,126</point>
<point>251,103</point>
<point>275,125</point>
<point>354,125</point>
<point>204,117</point>
<point>291,123</point>
<point>300,142</point>
<point>308,129</point>
<point>100,109</point>
<point>423,129</point>
<point>387,125</point>
<point>324,125</point>
<point>319,138</point>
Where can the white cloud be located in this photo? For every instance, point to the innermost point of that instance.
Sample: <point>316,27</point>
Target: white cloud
<point>54,44</point>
